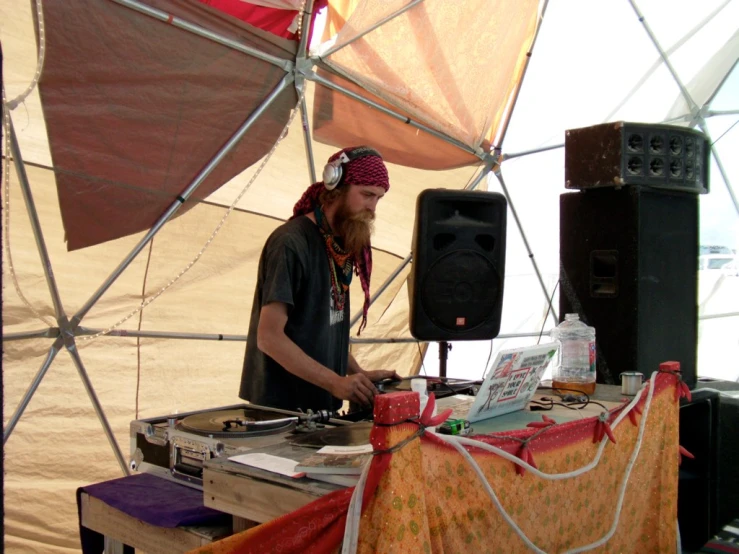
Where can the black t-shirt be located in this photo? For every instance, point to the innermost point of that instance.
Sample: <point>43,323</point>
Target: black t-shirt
<point>294,270</point>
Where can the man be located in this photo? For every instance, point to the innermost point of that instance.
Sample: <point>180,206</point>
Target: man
<point>297,350</point>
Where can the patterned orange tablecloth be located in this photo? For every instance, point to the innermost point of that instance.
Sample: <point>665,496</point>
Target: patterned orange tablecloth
<point>606,483</point>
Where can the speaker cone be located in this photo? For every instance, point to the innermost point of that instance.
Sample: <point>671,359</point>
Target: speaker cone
<point>460,291</point>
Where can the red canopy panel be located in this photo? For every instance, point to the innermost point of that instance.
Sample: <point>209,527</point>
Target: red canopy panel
<point>280,22</point>
<point>135,108</point>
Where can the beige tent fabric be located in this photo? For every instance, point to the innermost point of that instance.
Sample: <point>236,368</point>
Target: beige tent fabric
<point>58,445</point>
<point>19,66</point>
<point>426,61</point>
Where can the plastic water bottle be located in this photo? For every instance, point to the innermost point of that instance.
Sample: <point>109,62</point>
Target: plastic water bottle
<point>419,386</point>
<point>576,368</point>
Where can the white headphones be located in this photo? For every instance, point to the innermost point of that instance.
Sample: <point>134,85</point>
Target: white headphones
<point>334,171</point>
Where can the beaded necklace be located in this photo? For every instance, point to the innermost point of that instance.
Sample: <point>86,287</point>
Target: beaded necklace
<point>340,262</point>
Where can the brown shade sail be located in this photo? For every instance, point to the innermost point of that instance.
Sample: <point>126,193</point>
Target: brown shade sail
<point>134,115</point>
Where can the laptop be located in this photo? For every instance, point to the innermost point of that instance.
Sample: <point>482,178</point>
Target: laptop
<point>511,381</point>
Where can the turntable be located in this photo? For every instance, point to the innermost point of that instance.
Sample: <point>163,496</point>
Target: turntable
<point>176,446</point>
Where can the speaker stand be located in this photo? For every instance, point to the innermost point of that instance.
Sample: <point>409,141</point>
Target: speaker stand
<point>444,348</point>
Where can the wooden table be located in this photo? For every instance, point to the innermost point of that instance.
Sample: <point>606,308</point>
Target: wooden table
<point>121,529</point>
<point>258,495</point>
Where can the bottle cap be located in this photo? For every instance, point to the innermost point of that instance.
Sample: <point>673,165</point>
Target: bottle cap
<point>418,385</point>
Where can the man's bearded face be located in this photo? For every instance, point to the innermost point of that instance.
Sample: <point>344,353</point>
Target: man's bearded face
<point>355,227</point>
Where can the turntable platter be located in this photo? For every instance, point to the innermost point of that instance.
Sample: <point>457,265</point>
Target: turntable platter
<point>238,423</point>
<point>356,434</point>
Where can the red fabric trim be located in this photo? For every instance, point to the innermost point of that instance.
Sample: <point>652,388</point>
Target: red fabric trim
<point>273,20</point>
<point>716,546</point>
<point>565,433</point>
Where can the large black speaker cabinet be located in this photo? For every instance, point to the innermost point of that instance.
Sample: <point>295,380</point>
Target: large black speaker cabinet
<point>628,267</point>
<point>698,483</point>
<point>456,281</point>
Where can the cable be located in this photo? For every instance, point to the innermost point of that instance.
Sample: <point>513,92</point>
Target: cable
<point>546,315</point>
<point>423,366</point>
<point>490,354</point>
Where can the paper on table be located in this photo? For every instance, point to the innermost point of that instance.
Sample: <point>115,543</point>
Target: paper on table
<point>268,462</point>
<point>361,449</point>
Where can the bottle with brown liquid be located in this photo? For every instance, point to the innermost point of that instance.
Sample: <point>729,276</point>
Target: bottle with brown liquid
<point>575,371</point>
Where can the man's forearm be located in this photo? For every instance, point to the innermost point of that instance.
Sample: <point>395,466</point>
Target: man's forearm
<point>352,366</point>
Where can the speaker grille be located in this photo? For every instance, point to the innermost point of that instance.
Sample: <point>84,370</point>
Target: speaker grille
<point>460,291</point>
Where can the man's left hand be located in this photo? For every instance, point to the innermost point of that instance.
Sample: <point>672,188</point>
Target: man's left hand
<point>380,374</point>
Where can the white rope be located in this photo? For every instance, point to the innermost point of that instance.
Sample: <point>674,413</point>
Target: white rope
<point>354,515</point>
<point>39,62</point>
<point>6,216</point>
<point>7,107</point>
<point>457,443</point>
<point>351,532</point>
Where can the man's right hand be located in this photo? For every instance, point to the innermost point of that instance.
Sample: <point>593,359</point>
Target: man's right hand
<point>355,388</point>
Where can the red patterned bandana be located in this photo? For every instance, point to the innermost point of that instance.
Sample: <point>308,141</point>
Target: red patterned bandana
<point>364,171</point>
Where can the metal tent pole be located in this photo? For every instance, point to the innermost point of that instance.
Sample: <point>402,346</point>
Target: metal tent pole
<point>306,136</point>
<point>48,274</point>
<point>162,334</point>
<point>300,84</point>
<point>720,165</point>
<point>405,119</point>
<point>483,173</point>
<point>50,333</point>
<point>53,351</point>
<point>380,23</point>
<point>287,65</point>
<point>38,234</point>
<point>517,91</point>
<point>403,340</point>
<point>547,295</point>
<point>534,151</point>
<point>225,149</point>
<point>72,347</point>
<point>692,106</point>
<point>382,288</point>
<point>675,46</point>
<point>305,30</point>
<point>711,113</point>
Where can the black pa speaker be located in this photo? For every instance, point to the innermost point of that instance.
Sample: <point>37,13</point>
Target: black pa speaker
<point>628,267</point>
<point>698,481</point>
<point>456,281</point>
<point>648,155</point>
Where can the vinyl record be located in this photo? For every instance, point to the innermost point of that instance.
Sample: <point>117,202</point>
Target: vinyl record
<point>356,434</point>
<point>242,422</point>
